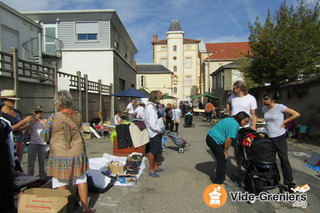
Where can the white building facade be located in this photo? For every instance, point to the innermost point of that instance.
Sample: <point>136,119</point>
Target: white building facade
<point>182,57</point>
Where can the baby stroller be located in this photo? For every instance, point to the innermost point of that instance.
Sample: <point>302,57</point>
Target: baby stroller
<point>179,141</point>
<point>259,160</point>
<point>188,118</point>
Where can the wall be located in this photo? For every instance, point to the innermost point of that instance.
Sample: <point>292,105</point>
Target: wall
<point>96,64</point>
<point>67,34</point>
<point>302,97</point>
<point>25,27</point>
<point>124,71</point>
<point>192,71</point>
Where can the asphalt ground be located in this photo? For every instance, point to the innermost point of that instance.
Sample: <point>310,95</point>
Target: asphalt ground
<point>186,175</point>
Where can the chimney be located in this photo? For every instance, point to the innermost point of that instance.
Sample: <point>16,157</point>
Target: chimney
<point>135,64</point>
<point>155,38</point>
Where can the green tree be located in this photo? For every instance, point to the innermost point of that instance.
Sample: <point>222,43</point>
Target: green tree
<point>287,46</point>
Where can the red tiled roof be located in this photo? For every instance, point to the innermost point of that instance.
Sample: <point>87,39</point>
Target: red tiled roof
<point>228,50</point>
<point>185,40</point>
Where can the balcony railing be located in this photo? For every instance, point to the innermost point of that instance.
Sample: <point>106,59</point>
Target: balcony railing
<point>52,48</point>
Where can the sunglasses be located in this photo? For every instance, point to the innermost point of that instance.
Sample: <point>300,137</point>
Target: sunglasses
<point>267,97</point>
<point>4,99</point>
<point>38,111</point>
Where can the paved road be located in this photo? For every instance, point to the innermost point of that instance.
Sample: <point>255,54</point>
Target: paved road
<point>180,187</point>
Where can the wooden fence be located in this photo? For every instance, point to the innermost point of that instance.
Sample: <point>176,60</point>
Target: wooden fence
<point>15,72</point>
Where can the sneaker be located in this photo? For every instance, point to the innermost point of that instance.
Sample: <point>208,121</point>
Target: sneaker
<point>226,182</point>
<point>155,175</point>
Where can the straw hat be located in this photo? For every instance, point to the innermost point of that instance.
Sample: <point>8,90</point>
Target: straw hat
<point>9,94</point>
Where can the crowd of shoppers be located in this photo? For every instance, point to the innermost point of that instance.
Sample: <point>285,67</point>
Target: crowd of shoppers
<point>68,161</point>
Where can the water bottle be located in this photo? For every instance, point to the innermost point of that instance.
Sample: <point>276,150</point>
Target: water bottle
<point>164,139</point>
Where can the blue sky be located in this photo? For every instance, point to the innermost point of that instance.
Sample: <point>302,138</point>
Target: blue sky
<point>213,21</point>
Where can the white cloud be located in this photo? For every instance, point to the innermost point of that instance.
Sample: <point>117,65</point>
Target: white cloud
<point>34,5</point>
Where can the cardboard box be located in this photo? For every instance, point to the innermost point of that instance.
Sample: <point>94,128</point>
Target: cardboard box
<point>72,188</point>
<point>86,132</point>
<point>43,200</point>
<point>126,180</point>
<point>116,169</point>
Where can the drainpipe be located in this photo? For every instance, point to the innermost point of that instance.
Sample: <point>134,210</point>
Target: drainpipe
<point>14,53</point>
<point>40,46</point>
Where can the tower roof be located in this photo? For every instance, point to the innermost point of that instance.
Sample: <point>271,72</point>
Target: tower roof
<point>175,26</point>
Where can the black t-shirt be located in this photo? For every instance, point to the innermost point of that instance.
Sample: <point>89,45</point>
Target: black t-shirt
<point>17,135</point>
<point>168,112</point>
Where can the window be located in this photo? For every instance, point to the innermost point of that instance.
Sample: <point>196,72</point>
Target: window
<point>116,39</point>
<point>188,47</point>
<point>125,49</point>
<point>175,68</point>
<point>188,81</point>
<point>87,31</point>
<point>174,57</point>
<point>174,48</point>
<point>163,48</point>
<point>175,90</point>
<point>188,62</point>
<point>122,84</point>
<point>175,79</point>
<point>142,81</point>
<point>163,62</point>
<point>49,39</point>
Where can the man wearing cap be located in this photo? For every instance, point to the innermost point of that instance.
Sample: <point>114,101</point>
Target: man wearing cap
<point>14,116</point>
<point>37,146</point>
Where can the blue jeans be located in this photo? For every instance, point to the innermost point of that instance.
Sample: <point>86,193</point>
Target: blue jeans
<point>34,150</point>
<point>130,117</point>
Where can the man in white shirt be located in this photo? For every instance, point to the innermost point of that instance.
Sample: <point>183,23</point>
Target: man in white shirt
<point>239,101</point>
<point>130,109</point>
<point>154,131</point>
<point>139,111</point>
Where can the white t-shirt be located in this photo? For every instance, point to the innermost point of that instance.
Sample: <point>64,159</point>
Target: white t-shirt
<point>245,103</point>
<point>130,107</point>
<point>274,117</point>
<point>140,112</point>
<point>115,119</point>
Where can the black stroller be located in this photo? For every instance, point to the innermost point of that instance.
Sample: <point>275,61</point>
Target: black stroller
<point>259,160</point>
<point>188,118</point>
<point>179,141</point>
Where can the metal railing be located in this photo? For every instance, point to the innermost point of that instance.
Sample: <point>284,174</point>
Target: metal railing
<point>32,47</point>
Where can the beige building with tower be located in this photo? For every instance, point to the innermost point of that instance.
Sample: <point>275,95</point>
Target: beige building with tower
<point>182,57</point>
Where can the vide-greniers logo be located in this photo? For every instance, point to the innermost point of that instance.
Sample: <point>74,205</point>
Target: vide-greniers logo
<point>215,196</point>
